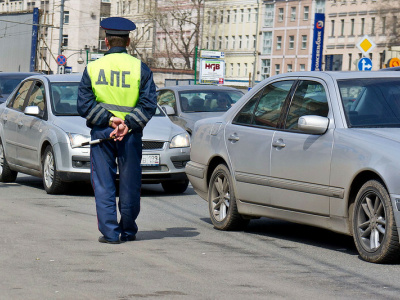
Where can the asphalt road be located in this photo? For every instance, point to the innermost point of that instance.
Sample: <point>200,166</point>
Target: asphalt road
<point>49,250</point>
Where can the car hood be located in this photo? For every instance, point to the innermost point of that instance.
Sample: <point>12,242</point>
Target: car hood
<point>387,133</point>
<point>201,115</point>
<point>161,129</point>
<point>73,124</point>
<point>158,128</point>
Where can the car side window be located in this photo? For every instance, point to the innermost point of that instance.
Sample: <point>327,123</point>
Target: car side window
<point>245,115</point>
<point>166,98</point>
<point>36,97</point>
<point>269,107</point>
<point>20,96</point>
<point>309,99</point>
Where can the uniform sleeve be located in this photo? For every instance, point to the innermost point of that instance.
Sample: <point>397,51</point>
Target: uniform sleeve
<point>147,104</point>
<point>87,105</point>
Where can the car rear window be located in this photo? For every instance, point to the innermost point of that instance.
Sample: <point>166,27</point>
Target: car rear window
<point>371,102</point>
<point>208,100</point>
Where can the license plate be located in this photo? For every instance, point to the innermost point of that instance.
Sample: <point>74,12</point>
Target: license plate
<point>150,160</point>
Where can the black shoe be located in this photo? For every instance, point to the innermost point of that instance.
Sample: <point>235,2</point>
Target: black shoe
<point>102,239</point>
<point>128,239</point>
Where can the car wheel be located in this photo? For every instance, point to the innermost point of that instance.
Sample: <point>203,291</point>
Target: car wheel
<point>6,174</point>
<point>374,228</point>
<point>222,202</point>
<point>175,187</point>
<point>51,179</point>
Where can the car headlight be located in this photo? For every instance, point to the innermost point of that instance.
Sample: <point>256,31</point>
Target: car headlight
<point>77,139</point>
<point>180,141</point>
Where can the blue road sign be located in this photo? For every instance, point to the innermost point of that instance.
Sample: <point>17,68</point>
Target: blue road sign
<point>364,64</point>
<point>61,60</point>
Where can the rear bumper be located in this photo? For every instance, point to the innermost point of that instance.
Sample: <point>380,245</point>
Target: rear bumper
<point>197,176</point>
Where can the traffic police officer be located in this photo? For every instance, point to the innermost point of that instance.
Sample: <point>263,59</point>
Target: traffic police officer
<point>117,96</point>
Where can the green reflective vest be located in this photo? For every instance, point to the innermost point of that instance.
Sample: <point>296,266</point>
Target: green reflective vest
<point>115,82</point>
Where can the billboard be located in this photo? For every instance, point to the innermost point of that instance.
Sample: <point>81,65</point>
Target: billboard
<point>318,42</point>
<point>212,71</point>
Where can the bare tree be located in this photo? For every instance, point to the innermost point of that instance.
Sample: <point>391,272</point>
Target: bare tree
<point>179,23</point>
<point>389,14</point>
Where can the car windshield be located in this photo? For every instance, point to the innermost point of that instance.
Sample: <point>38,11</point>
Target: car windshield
<point>208,100</point>
<point>8,84</point>
<point>371,102</point>
<point>64,96</point>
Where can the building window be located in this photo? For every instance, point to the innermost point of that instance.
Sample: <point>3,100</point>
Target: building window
<point>254,41</point>
<point>306,13</point>
<point>290,68</point>
<point>242,15</point>
<point>332,27</point>
<point>269,15</point>
<point>277,69</point>
<point>228,16</point>
<point>213,42</point>
<point>265,68</point>
<point>208,17</point>
<point>249,15</point>
<point>267,42</point>
<point>350,59</point>
<point>66,17</point>
<point>238,70</point>
<point>394,25</point>
<point>302,67</point>
<point>247,41</point>
<point>65,40</point>
<point>207,42</point>
<point>293,14</point>
<point>220,42</point>
<point>280,15</point>
<point>362,26</point>
<point>226,42</point>
<point>372,25</point>
<point>352,27</point>
<point>240,42</point>
<point>221,16</point>
<point>231,69</point>
<point>342,27</point>
<point>383,25</point>
<point>304,42</point>
<point>234,16</point>
<point>214,17</point>
<point>233,42</point>
<point>291,42</point>
<point>245,69</point>
<point>278,43</point>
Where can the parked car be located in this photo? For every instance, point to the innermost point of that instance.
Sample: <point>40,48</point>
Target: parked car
<point>317,148</point>
<point>187,104</point>
<point>8,82</point>
<point>390,69</point>
<point>40,128</point>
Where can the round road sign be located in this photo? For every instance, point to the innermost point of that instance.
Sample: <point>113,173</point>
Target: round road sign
<point>61,60</point>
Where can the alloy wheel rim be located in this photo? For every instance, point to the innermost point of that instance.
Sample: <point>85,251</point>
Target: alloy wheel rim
<point>220,198</point>
<point>371,221</point>
<point>49,169</point>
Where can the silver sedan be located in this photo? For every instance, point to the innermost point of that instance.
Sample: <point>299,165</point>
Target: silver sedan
<point>318,148</point>
<point>41,133</point>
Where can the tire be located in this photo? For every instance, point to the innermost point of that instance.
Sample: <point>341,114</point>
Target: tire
<point>175,187</point>
<point>222,202</point>
<point>6,174</point>
<point>51,180</point>
<point>374,228</point>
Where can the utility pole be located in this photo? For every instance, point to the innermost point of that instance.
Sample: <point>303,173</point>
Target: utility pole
<point>60,69</point>
<point>256,49</point>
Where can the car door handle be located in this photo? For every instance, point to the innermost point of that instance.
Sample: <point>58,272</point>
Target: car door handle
<point>279,144</point>
<point>5,119</point>
<point>233,138</point>
<point>20,124</point>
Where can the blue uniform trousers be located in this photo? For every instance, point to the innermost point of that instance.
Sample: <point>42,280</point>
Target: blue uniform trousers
<point>128,154</point>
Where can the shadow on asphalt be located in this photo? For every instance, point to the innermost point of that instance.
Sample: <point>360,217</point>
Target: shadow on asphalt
<point>173,232</point>
<point>271,230</point>
<point>84,189</point>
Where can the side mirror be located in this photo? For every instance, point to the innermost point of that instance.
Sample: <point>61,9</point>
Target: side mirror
<point>32,111</point>
<point>168,110</point>
<point>313,124</point>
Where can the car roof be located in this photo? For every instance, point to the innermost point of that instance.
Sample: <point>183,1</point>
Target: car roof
<point>197,87</point>
<point>75,77</point>
<point>338,75</point>
<point>17,74</point>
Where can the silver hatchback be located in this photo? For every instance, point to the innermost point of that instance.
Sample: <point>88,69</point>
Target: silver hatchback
<point>40,130</point>
<point>318,148</point>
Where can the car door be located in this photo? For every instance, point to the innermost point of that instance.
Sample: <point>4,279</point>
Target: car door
<point>248,140</point>
<point>10,119</point>
<point>30,128</point>
<point>300,162</point>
